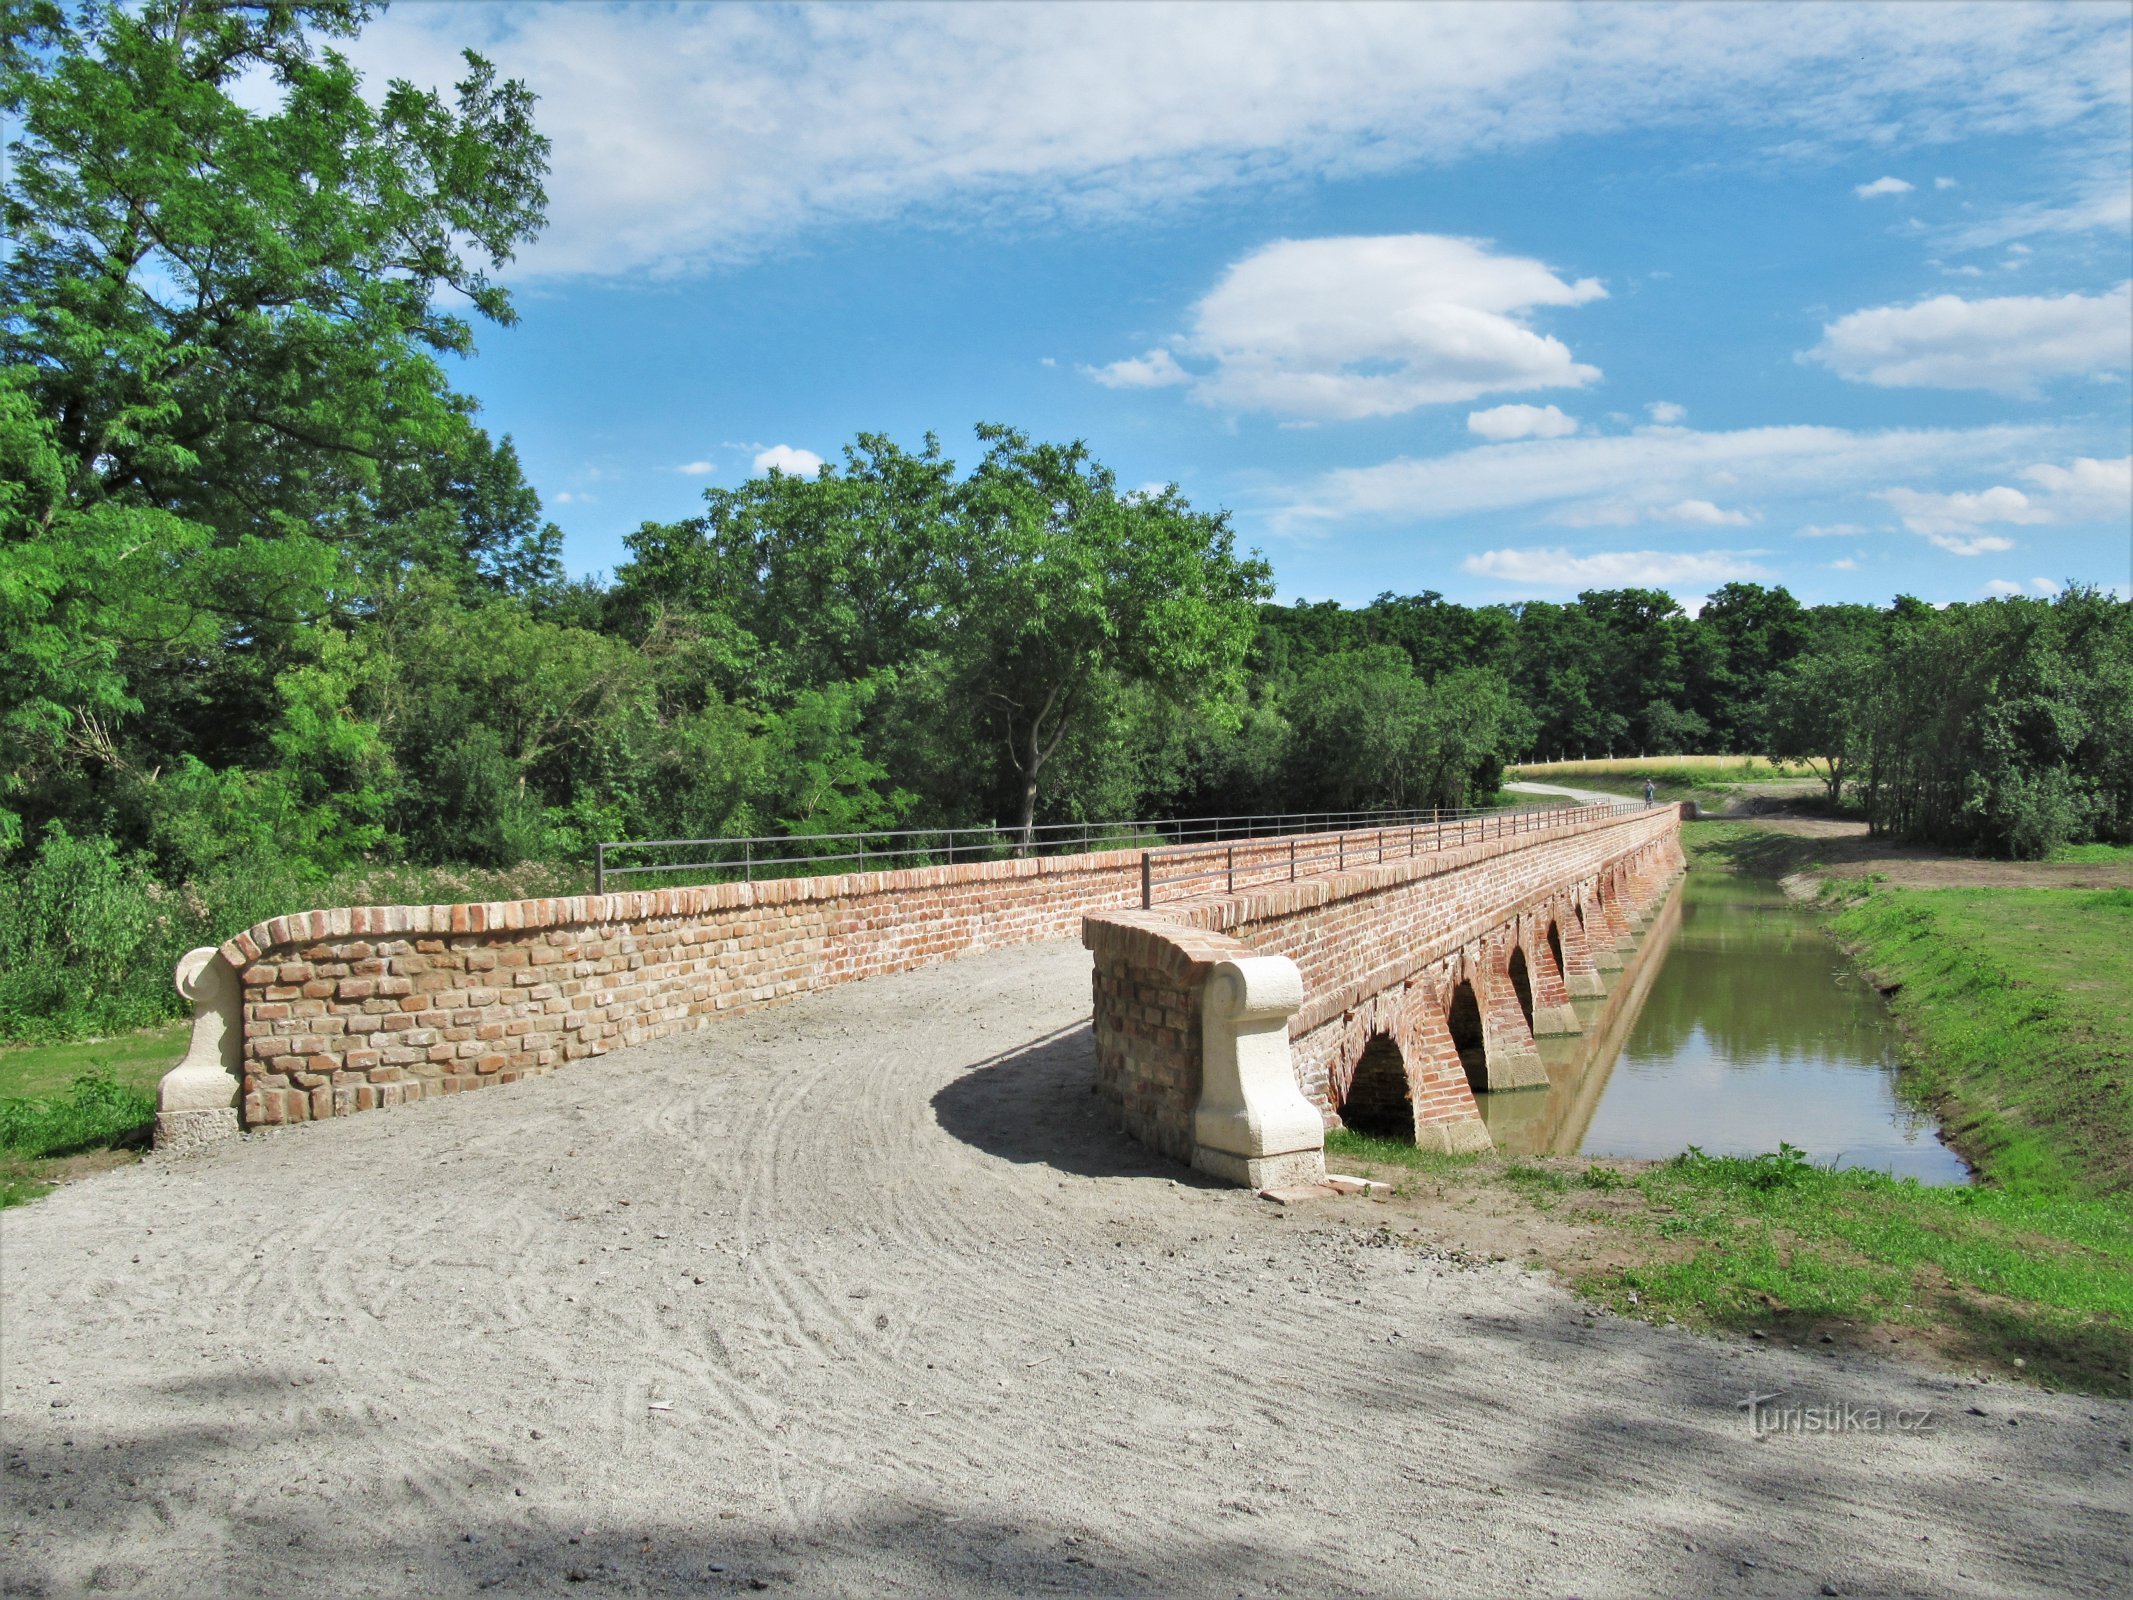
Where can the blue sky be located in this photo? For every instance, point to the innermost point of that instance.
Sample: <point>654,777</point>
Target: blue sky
<point>1504,301</point>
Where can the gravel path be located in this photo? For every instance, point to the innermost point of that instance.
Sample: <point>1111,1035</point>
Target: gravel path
<point>862,1296</point>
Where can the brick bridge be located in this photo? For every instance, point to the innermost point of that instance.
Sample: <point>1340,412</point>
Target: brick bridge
<point>1379,990</point>
<point>1406,965</point>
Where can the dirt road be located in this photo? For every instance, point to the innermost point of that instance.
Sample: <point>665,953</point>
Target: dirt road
<point>862,1296</point>
<point>1844,849</point>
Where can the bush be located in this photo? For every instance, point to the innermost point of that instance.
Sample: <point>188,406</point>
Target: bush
<point>76,930</point>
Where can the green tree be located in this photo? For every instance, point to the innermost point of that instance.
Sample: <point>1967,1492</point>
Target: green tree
<point>1058,583</point>
<point>222,329</point>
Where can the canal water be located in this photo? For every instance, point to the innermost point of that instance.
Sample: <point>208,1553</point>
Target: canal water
<point>1739,1023</point>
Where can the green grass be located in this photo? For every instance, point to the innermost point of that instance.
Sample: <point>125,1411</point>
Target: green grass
<point>138,1059</point>
<point>62,1103</point>
<point>2016,1005</point>
<point>1990,1275</point>
<point>2095,855</point>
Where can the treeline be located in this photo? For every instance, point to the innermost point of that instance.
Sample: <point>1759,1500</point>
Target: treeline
<point>281,624</point>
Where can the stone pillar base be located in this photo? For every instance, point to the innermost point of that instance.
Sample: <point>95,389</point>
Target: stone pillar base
<point>1551,1020</point>
<point>1516,1072</point>
<point>1609,960</point>
<point>1295,1170</point>
<point>1585,985</point>
<point>1466,1136</point>
<point>190,1130</point>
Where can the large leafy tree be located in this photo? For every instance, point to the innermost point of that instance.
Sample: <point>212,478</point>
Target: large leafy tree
<point>222,328</point>
<point>1059,586</point>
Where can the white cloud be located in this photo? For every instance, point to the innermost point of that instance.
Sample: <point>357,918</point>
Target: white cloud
<point>1983,544</point>
<point>1943,183</point>
<point>1844,564</point>
<point>1703,514</point>
<point>1158,369</point>
<point>1653,467</point>
<point>1666,413</point>
<point>2002,587</point>
<point>1560,571</point>
<point>2044,586</point>
<point>2087,490</point>
<point>1325,329</point>
<point>1962,512</point>
<point>2008,344</point>
<point>1832,530</point>
<point>685,135</point>
<point>1521,422</point>
<point>695,469</point>
<point>1881,186</point>
<point>785,458</point>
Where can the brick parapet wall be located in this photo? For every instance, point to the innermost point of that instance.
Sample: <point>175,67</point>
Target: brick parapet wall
<point>364,1007</point>
<point>1355,933</point>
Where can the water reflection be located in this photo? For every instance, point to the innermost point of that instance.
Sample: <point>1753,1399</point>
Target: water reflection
<point>1737,1024</point>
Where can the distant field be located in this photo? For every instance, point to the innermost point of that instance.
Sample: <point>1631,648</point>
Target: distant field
<point>1708,769</point>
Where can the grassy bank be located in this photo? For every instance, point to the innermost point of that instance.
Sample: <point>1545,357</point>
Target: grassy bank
<point>70,1109</point>
<point>2018,1004</point>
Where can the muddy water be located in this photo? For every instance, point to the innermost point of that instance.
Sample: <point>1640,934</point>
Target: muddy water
<point>1737,1024</point>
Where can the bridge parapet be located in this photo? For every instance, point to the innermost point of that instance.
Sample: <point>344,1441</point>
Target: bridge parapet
<point>1444,964</point>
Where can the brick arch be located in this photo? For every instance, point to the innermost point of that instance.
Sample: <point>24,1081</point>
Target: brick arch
<point>1378,1097</point>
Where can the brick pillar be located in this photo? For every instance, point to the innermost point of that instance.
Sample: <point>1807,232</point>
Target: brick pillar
<point>1552,1011</point>
<point>1602,932</point>
<point>1581,976</point>
<point>1446,1117</point>
<point>1615,915</point>
<point>1513,1058</point>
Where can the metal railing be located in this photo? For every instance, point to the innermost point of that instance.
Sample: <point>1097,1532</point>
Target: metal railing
<point>1202,868</point>
<point>775,855</point>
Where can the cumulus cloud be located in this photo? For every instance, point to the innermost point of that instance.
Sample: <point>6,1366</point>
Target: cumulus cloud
<point>1666,413</point>
<point>1334,329</point>
<point>1831,530</point>
<point>1559,571</point>
<point>2085,491</point>
<point>695,469</point>
<point>694,134</point>
<point>1521,422</point>
<point>1158,369</point>
<point>1961,512</point>
<point>2009,344</point>
<point>1881,186</point>
<point>2001,587</point>
<point>1589,477</point>
<point>1943,183</point>
<point>785,458</point>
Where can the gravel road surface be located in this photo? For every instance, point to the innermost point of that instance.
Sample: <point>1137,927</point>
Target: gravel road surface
<point>862,1296</point>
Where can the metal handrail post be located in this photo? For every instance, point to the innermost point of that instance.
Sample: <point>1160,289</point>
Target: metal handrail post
<point>599,868</point>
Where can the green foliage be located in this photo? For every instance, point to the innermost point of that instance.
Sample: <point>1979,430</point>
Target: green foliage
<point>97,1112</point>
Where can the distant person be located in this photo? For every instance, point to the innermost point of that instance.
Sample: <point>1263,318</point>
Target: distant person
<point>1648,791</point>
